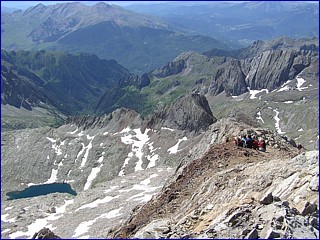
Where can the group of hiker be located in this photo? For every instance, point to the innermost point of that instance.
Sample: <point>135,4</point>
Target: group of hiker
<point>250,142</point>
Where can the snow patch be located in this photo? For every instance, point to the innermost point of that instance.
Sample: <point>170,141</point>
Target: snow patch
<point>5,231</point>
<point>4,218</point>
<point>85,226</point>
<point>137,140</point>
<point>300,82</point>
<point>152,160</point>
<point>253,93</point>
<point>80,134</point>
<point>73,131</point>
<point>143,185</point>
<point>300,130</point>
<point>92,176</point>
<point>165,128</point>
<point>174,149</point>
<point>57,148</point>
<point>237,98</point>
<point>141,197</point>
<point>259,116</point>
<point>100,160</point>
<point>277,124</point>
<point>62,209</point>
<point>51,140</point>
<point>287,102</point>
<point>112,214</point>
<point>284,87</point>
<point>53,178</point>
<point>95,203</point>
<point>87,149</point>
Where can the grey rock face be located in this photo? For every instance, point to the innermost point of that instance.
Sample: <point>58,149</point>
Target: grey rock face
<point>230,79</point>
<point>272,68</point>
<point>191,113</point>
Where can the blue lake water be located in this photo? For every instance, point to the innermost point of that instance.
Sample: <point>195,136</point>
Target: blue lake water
<point>43,189</point>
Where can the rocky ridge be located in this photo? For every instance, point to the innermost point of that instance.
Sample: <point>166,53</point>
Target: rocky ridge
<point>224,194</point>
<point>254,71</point>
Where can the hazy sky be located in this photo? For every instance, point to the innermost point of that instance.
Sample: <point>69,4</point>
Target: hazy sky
<point>25,4</point>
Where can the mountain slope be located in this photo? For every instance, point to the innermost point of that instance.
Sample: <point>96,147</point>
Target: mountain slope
<point>72,80</point>
<point>139,42</point>
<point>65,82</point>
<point>23,104</point>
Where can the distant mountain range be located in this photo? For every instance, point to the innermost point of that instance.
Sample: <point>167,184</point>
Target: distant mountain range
<point>139,42</point>
<point>8,9</point>
<point>240,23</point>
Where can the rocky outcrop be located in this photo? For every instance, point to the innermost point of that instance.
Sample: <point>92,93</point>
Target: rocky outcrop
<point>140,81</point>
<point>170,68</point>
<point>190,113</point>
<point>230,79</point>
<point>45,233</point>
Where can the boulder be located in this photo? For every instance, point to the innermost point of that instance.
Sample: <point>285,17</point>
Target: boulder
<point>268,199</point>
<point>253,234</point>
<point>45,233</point>
<point>309,208</point>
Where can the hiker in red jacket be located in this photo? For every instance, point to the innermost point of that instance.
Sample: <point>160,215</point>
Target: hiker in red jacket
<point>262,145</point>
<point>255,144</point>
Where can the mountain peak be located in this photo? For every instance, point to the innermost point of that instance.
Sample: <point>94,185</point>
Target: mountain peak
<point>102,5</point>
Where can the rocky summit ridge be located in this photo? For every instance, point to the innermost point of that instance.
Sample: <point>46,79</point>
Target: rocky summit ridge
<point>234,193</point>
